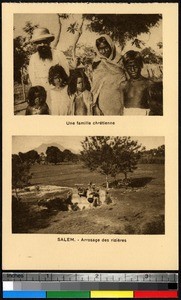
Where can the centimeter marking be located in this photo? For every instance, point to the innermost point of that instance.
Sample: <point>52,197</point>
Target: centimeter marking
<point>92,277</point>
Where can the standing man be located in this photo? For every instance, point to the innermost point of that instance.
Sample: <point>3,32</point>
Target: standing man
<point>44,58</point>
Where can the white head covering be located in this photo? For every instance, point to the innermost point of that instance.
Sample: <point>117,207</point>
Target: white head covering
<point>111,44</point>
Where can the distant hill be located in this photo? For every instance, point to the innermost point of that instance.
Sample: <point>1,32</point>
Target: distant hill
<point>43,147</point>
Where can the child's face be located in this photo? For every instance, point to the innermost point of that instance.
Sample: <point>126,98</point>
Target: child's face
<point>79,84</point>
<point>58,82</point>
<point>104,49</point>
<point>133,69</point>
<point>37,100</point>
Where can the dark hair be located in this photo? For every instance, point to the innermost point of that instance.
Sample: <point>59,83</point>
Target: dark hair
<point>72,85</point>
<point>57,70</point>
<point>132,56</point>
<point>34,91</point>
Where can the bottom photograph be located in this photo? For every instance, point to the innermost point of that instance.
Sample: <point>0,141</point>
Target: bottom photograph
<point>88,185</point>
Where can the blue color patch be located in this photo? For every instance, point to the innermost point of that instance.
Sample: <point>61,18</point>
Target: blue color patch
<point>24,294</point>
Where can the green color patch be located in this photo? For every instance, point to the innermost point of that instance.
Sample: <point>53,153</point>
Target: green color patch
<point>68,294</point>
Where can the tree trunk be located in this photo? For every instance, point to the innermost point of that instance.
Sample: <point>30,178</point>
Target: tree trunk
<point>125,176</point>
<point>57,38</point>
<point>77,39</point>
<point>107,182</point>
<point>17,196</point>
<point>23,87</point>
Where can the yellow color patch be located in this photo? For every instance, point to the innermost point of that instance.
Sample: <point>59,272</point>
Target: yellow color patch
<point>111,294</point>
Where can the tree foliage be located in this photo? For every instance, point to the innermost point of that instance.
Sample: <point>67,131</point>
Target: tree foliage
<point>68,156</point>
<point>23,48</point>
<point>20,173</point>
<point>54,155</point>
<point>73,28</point>
<point>154,156</point>
<point>127,153</point>
<point>150,56</point>
<point>122,27</point>
<point>30,157</point>
<point>19,57</point>
<point>110,155</point>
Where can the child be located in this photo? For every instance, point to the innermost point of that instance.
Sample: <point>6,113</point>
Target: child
<point>37,101</point>
<point>155,101</point>
<point>79,91</point>
<point>60,100</point>
<point>135,88</point>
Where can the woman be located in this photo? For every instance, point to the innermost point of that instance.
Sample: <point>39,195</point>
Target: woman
<point>108,74</point>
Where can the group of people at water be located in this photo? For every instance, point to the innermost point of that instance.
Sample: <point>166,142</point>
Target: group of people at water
<point>91,193</point>
<point>116,86</point>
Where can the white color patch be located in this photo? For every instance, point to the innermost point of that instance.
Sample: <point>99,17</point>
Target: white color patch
<point>7,285</point>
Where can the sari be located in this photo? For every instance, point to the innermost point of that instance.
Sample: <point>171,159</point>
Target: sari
<point>107,92</point>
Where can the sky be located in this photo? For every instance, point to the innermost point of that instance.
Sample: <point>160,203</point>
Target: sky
<point>50,21</point>
<point>26,143</point>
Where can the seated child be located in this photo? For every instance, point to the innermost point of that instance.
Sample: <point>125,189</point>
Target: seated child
<point>59,98</point>
<point>135,88</point>
<point>37,101</point>
<point>79,91</point>
<point>155,100</point>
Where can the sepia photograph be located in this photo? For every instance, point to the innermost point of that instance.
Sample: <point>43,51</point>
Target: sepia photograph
<point>88,64</point>
<point>88,185</point>
<point>71,180</point>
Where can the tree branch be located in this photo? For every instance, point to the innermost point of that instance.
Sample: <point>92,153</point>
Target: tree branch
<point>77,39</point>
<point>57,39</point>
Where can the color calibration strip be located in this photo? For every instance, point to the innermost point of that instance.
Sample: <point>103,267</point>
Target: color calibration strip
<point>90,285</point>
<point>90,294</point>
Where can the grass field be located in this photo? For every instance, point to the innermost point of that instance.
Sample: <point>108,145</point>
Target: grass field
<point>137,209</point>
<point>64,175</point>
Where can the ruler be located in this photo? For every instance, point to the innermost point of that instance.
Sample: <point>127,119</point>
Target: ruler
<point>89,285</point>
<point>92,277</point>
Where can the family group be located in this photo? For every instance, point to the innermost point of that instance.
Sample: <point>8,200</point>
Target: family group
<point>116,85</point>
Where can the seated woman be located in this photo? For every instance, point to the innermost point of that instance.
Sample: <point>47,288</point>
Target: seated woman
<point>108,74</point>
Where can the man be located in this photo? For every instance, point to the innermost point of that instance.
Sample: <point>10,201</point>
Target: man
<point>43,59</point>
<point>136,88</point>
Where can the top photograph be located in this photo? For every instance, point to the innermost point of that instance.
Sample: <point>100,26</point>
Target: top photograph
<point>88,64</point>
